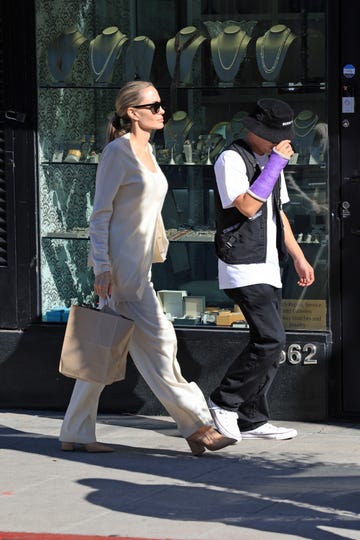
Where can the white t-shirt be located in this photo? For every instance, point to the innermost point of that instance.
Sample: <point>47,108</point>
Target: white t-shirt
<point>232,181</point>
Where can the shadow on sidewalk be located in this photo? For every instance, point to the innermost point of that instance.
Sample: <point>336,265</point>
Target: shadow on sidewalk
<point>285,493</point>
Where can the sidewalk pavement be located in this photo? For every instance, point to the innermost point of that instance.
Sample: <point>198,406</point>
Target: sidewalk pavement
<point>152,488</point>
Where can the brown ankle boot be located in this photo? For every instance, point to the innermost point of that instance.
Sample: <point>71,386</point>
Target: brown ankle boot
<point>207,437</point>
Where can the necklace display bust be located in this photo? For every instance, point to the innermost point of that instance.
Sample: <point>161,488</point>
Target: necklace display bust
<point>139,58</point>
<point>176,131</point>
<point>272,50</point>
<point>181,51</point>
<point>319,150</point>
<point>228,51</point>
<point>215,28</point>
<point>305,128</point>
<point>104,50</point>
<point>236,128</point>
<point>62,52</point>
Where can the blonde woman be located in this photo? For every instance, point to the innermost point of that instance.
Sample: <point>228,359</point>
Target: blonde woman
<point>127,235</point>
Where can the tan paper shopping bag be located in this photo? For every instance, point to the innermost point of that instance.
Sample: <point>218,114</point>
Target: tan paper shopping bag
<point>95,345</point>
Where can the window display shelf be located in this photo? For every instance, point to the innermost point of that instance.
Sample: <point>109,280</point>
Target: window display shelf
<point>173,235</point>
<point>295,87</point>
<point>67,164</point>
<point>73,235</point>
<point>207,84</point>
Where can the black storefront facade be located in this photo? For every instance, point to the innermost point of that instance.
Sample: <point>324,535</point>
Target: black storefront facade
<point>61,65</point>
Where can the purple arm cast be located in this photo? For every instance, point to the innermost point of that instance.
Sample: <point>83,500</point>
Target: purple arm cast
<point>265,182</point>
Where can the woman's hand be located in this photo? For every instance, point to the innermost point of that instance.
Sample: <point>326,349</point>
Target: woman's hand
<point>102,284</point>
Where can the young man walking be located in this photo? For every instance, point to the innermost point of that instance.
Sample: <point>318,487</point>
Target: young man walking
<point>253,237</point>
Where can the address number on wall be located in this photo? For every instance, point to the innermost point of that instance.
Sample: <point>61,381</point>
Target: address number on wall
<point>296,354</point>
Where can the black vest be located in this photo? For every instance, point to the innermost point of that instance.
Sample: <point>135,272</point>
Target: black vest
<point>239,239</point>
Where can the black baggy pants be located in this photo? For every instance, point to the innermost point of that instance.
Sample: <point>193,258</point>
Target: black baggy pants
<point>247,381</point>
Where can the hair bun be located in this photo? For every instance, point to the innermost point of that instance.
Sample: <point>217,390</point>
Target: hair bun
<point>116,121</point>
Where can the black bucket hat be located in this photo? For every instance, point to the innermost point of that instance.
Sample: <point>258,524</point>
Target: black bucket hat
<point>272,119</point>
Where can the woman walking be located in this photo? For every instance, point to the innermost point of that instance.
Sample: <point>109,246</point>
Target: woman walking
<point>127,235</point>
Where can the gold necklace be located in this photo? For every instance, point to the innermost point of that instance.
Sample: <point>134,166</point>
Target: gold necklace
<point>100,73</point>
<point>228,68</point>
<point>308,127</point>
<point>278,54</point>
<point>182,131</point>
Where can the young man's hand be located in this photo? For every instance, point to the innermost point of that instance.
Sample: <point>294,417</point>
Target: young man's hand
<point>284,148</point>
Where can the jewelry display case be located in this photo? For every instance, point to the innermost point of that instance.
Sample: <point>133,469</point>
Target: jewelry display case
<point>210,62</point>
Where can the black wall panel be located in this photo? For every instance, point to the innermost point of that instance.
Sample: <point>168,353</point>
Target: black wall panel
<point>18,260</point>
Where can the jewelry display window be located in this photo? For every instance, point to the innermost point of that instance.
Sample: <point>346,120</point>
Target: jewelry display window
<point>210,61</point>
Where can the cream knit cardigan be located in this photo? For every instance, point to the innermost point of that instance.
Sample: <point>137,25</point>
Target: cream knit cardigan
<point>126,229</point>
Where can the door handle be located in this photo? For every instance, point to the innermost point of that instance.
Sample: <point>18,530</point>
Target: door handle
<point>15,116</point>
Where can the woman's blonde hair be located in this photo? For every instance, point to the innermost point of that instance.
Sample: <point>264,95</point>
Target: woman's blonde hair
<point>127,96</point>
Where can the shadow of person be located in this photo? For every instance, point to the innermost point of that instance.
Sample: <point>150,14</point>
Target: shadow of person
<point>282,492</point>
<point>259,508</point>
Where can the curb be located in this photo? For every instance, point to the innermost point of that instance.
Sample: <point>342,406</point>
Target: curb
<point>53,536</point>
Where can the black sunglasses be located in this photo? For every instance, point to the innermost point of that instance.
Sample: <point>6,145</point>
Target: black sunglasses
<point>153,107</point>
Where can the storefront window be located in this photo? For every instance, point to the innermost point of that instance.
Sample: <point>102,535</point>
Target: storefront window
<point>210,60</point>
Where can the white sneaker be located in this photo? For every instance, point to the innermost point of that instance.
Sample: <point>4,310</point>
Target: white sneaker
<point>225,421</point>
<point>269,431</point>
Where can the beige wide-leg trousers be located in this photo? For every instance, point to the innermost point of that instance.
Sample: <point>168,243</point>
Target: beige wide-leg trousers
<point>153,350</point>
